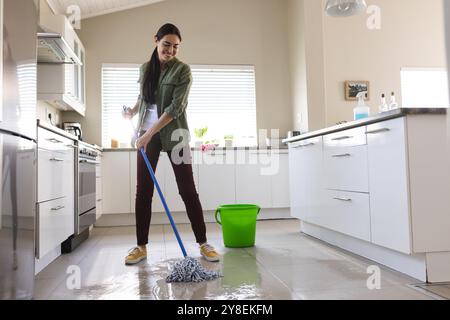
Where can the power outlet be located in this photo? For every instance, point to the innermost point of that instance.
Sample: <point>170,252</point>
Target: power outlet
<point>49,115</point>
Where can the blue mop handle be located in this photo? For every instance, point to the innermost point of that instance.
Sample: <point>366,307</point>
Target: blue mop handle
<point>164,202</point>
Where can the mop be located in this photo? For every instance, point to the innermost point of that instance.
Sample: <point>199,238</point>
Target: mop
<point>189,269</point>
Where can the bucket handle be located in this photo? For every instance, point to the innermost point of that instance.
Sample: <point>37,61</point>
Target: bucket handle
<point>218,211</point>
<point>217,219</point>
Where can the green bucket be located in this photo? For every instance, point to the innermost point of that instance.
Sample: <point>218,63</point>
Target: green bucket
<point>238,223</point>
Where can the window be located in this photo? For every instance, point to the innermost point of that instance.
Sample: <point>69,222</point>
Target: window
<point>222,98</point>
<point>425,88</point>
<point>119,88</point>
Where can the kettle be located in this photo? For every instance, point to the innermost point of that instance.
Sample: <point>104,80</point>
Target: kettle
<point>74,129</point>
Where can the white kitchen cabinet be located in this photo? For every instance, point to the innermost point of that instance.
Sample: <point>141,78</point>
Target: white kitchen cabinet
<point>252,186</point>
<point>55,217</point>
<point>346,138</point>
<point>346,168</point>
<point>388,174</point>
<point>217,179</point>
<point>403,217</point>
<point>116,182</point>
<point>55,224</point>
<point>55,174</point>
<point>157,205</point>
<point>348,213</point>
<point>280,179</point>
<point>305,179</point>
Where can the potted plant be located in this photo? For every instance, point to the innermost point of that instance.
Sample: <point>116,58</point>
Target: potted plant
<point>228,140</point>
<point>200,134</point>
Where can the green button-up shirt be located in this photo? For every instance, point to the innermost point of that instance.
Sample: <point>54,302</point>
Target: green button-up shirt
<point>172,98</point>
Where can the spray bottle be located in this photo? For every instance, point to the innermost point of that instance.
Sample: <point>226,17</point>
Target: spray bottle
<point>361,110</point>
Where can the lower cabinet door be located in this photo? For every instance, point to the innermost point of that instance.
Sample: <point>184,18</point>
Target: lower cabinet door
<point>348,213</point>
<point>389,194</point>
<point>55,224</point>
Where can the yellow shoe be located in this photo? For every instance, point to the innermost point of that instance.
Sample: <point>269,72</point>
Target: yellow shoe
<point>136,255</point>
<point>209,253</point>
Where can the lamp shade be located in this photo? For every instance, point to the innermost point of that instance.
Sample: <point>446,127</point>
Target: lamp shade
<point>345,8</point>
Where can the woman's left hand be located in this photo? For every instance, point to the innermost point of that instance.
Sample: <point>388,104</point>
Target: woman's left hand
<point>143,141</point>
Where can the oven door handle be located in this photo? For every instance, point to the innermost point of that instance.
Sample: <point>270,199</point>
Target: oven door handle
<point>89,161</point>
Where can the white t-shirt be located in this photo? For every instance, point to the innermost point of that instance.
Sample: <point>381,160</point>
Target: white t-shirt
<point>151,117</point>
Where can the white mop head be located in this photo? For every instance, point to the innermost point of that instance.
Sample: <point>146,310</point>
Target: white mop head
<point>190,270</point>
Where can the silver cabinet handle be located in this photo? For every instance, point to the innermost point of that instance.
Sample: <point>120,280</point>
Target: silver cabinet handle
<point>343,199</point>
<point>304,145</point>
<point>341,155</point>
<point>58,208</point>
<point>99,200</point>
<point>56,159</point>
<point>342,138</point>
<point>378,131</point>
<point>53,140</point>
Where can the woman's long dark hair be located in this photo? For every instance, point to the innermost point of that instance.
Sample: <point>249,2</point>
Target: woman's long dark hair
<point>151,76</point>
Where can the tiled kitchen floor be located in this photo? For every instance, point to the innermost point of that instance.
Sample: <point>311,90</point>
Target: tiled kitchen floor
<point>283,265</point>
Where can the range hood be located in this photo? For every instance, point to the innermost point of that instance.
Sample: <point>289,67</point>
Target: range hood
<point>53,49</point>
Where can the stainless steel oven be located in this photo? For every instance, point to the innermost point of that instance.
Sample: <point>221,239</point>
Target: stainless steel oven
<point>85,195</point>
<point>87,164</point>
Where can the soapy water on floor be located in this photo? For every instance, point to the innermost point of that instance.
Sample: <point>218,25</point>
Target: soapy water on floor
<point>148,282</point>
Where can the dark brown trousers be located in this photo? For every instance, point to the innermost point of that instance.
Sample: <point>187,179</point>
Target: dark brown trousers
<point>186,188</point>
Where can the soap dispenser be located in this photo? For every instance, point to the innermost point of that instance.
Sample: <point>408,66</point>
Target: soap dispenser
<point>361,110</point>
<point>383,107</point>
<point>393,104</point>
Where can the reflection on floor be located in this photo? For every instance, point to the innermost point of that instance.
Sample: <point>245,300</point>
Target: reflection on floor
<point>283,265</point>
<point>440,290</point>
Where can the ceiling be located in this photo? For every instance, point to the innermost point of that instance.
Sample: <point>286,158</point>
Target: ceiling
<point>93,8</point>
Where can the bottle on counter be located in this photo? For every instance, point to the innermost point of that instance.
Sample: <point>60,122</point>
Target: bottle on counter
<point>393,103</point>
<point>361,110</point>
<point>383,107</point>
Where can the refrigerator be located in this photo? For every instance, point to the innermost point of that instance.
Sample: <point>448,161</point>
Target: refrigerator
<point>18,36</point>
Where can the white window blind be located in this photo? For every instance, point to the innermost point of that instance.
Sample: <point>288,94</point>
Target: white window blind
<point>223,99</point>
<point>119,88</point>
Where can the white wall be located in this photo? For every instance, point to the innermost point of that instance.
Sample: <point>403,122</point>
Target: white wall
<point>340,49</point>
<point>297,63</point>
<point>214,32</point>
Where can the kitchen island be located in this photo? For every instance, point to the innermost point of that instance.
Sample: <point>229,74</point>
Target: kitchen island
<point>380,188</point>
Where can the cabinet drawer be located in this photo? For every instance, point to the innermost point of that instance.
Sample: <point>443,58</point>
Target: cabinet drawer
<point>346,169</point>
<point>348,213</point>
<point>55,223</point>
<point>52,141</point>
<point>56,173</point>
<point>312,143</point>
<point>346,138</point>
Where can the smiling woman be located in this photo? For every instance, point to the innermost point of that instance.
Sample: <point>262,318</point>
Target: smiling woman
<point>165,86</point>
